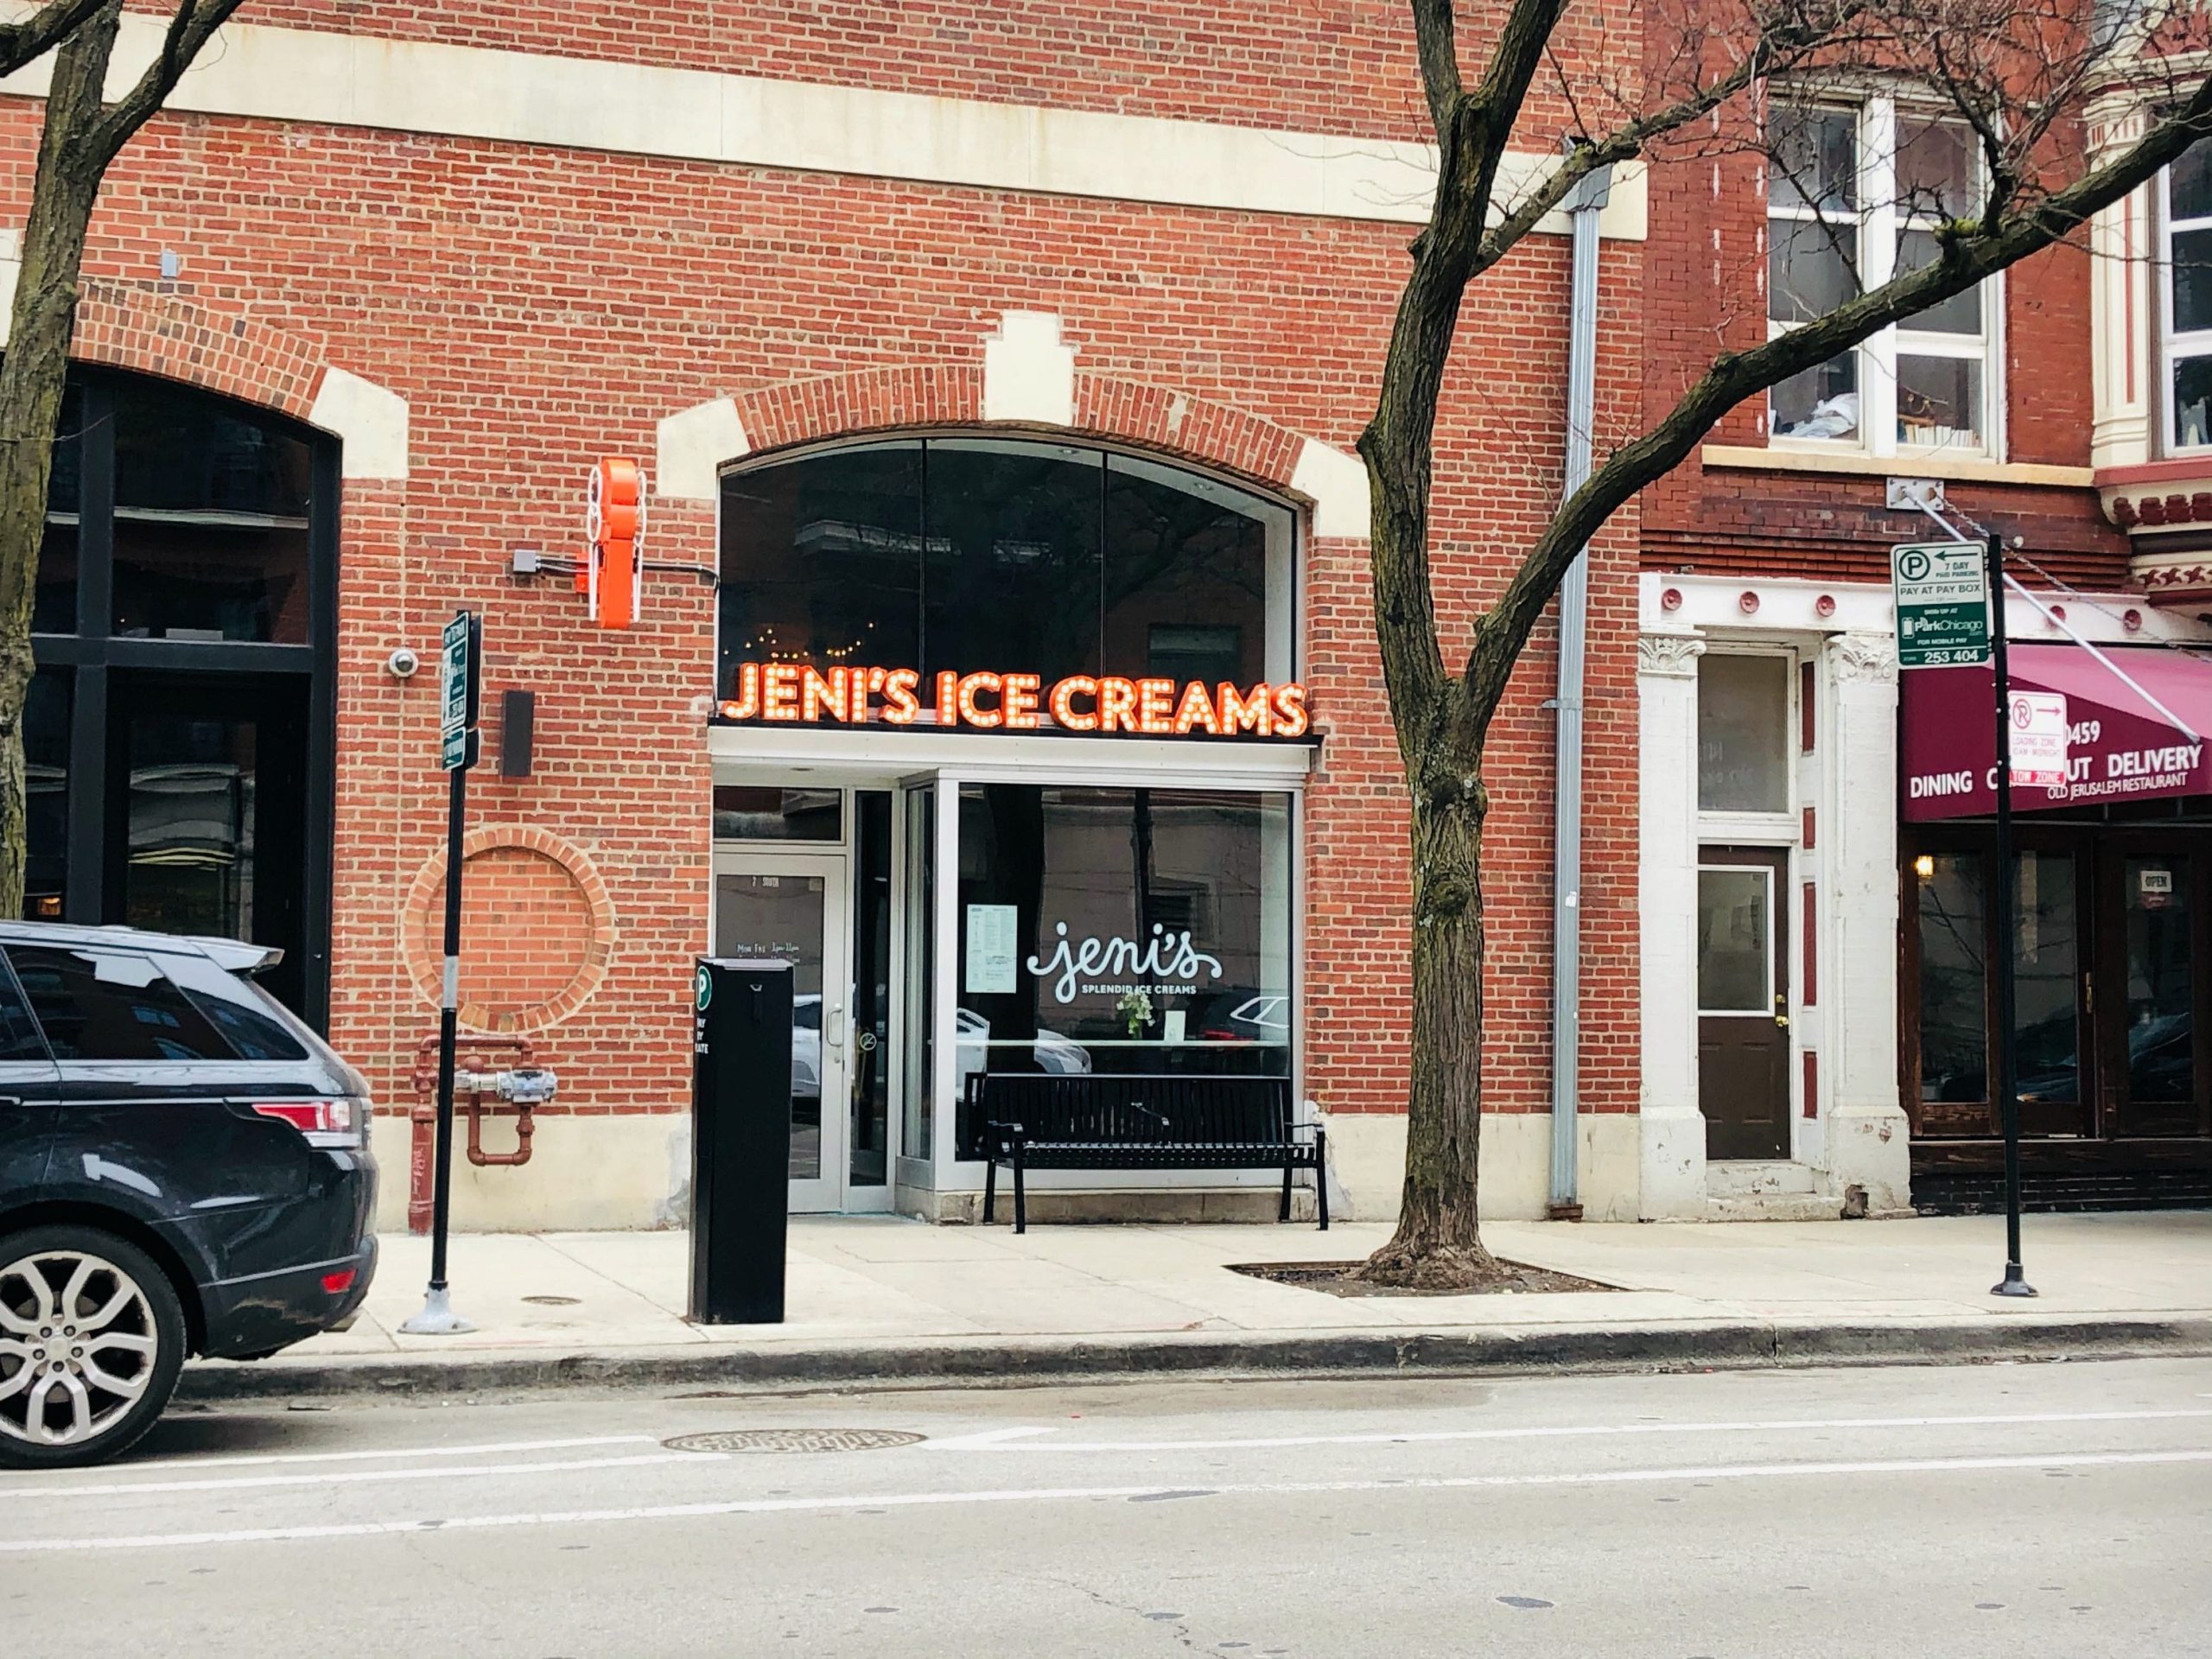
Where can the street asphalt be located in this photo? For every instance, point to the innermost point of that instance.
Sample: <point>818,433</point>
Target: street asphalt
<point>1988,1510</point>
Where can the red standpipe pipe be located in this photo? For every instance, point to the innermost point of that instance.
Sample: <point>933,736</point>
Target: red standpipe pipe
<point>423,1115</point>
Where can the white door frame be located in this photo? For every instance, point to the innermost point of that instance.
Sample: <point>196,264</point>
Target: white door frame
<point>826,1192</point>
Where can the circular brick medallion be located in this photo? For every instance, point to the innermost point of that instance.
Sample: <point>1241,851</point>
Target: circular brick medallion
<point>537,928</point>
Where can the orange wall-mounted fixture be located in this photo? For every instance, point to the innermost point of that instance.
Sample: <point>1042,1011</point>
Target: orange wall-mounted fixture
<point>614,578</point>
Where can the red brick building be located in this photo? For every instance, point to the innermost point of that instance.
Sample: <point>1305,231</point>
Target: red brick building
<point>1816,842</point>
<point>999,341</point>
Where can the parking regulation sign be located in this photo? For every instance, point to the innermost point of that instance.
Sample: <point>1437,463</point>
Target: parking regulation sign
<point>460,692</point>
<point>1942,604</point>
<point>2039,734</point>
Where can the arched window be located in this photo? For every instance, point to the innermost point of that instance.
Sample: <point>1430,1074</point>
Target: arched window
<point>1013,555</point>
<point>179,736</point>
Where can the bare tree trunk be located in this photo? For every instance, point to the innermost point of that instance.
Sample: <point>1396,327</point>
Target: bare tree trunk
<point>32,376</point>
<point>1438,1241</point>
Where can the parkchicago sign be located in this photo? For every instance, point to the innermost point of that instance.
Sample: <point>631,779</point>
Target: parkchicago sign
<point>794,694</point>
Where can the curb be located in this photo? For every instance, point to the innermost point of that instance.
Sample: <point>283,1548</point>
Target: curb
<point>1030,1361</point>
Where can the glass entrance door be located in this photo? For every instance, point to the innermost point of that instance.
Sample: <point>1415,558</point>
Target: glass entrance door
<point>792,907</point>
<point>2154,987</point>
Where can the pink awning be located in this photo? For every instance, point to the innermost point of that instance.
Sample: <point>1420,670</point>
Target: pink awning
<point>2122,749</point>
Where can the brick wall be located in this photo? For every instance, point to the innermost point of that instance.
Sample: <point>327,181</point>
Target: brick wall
<point>1327,65</point>
<point>538,307</point>
<point>1708,216</point>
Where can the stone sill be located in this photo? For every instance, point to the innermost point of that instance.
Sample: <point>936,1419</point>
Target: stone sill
<point>1957,469</point>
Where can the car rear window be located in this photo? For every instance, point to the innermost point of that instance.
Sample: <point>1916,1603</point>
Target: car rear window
<point>253,1021</point>
<point>113,1004</point>
<point>19,1038</point>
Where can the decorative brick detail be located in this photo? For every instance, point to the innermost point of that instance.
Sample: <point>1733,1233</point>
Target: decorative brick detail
<point>202,342</point>
<point>865,400</point>
<point>1191,427</point>
<point>1217,433</point>
<point>537,929</point>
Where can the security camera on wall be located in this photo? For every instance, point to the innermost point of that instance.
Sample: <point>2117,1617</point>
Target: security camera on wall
<point>402,664</point>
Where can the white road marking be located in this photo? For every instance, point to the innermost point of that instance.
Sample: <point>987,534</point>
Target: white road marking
<point>1000,1439</point>
<point>1068,1494</point>
<point>357,1477</point>
<point>493,1448</point>
<point>989,1441</point>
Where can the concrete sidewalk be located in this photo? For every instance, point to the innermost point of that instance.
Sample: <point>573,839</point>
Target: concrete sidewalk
<point>882,1296</point>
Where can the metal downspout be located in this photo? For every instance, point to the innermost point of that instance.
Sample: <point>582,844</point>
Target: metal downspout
<point>1582,209</point>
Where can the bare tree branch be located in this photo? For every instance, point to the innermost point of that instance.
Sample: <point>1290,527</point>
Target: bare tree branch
<point>1969,254</point>
<point>189,28</point>
<point>20,43</point>
<point>1782,44</point>
<point>1436,32</point>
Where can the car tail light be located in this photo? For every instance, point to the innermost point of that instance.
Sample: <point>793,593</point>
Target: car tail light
<point>339,1282</point>
<point>341,1121</point>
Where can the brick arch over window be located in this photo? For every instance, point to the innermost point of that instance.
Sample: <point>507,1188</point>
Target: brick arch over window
<point>696,443</point>
<point>222,349</point>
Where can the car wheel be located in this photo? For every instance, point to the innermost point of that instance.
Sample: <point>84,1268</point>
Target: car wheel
<point>92,1336</point>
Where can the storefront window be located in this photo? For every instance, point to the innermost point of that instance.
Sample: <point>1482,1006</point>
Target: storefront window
<point>1953,1027</point>
<point>46,791</point>
<point>1012,558</point>
<point>2046,1009</point>
<point>54,608</point>
<point>1004,555</point>
<point>211,520</point>
<point>921,977</point>
<point>1743,734</point>
<point>743,813</point>
<point>1123,930</point>
<point>822,559</point>
<point>179,740</point>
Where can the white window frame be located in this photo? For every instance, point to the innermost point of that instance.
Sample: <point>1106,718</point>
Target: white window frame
<point>2174,347</point>
<point>1880,221</point>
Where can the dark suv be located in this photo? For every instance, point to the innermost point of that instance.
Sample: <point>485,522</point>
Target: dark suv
<point>184,1167</point>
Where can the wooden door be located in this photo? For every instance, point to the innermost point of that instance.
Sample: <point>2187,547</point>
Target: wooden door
<point>1742,983</point>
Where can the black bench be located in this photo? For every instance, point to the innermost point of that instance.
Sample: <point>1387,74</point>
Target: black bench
<point>1028,1120</point>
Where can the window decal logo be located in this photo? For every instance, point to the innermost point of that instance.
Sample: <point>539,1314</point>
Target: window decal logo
<point>1166,963</point>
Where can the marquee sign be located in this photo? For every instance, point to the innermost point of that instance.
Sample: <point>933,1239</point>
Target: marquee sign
<point>793,694</point>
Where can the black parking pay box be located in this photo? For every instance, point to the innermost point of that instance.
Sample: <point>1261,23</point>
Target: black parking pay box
<point>740,1139</point>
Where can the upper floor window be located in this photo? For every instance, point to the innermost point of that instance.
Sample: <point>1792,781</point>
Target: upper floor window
<point>2186,216</point>
<point>1856,194</point>
<point>979,552</point>
<point>204,522</point>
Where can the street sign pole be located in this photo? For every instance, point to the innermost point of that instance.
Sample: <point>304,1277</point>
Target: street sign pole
<point>2008,1093</point>
<point>461,694</point>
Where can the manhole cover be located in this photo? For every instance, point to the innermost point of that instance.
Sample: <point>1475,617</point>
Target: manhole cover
<point>553,1302</point>
<point>793,1440</point>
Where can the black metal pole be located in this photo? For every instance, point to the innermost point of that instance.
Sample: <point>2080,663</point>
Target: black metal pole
<point>448,1023</point>
<point>2008,1093</point>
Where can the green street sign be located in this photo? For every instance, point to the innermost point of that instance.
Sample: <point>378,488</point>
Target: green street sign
<point>457,749</point>
<point>1943,603</point>
<point>460,678</point>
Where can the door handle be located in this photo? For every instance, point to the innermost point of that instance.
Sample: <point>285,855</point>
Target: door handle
<point>11,1100</point>
<point>1782,1011</point>
<point>833,1026</point>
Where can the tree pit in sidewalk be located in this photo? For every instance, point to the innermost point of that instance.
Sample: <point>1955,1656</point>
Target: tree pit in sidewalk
<point>1500,1277</point>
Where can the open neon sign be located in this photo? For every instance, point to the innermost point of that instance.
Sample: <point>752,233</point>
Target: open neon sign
<point>793,694</point>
